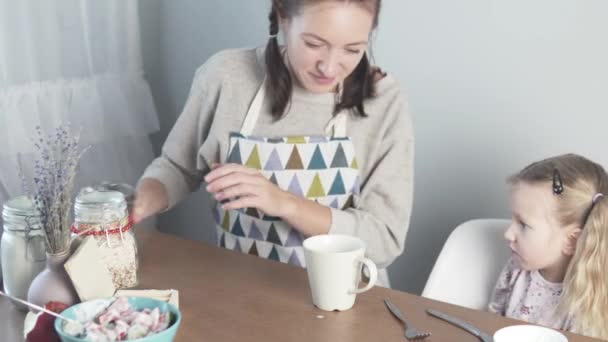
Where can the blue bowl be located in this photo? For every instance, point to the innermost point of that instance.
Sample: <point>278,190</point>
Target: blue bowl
<point>138,303</point>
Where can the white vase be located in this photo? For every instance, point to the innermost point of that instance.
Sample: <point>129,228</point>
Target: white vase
<point>53,284</point>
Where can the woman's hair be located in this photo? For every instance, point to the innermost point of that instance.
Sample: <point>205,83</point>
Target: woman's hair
<point>576,182</point>
<point>357,87</point>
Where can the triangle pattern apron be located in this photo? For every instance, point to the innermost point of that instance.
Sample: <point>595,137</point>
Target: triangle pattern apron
<point>320,168</point>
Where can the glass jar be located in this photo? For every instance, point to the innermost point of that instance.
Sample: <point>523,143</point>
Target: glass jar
<point>22,248</point>
<point>103,215</point>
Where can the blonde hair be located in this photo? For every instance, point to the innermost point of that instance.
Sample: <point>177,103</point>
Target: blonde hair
<point>585,296</point>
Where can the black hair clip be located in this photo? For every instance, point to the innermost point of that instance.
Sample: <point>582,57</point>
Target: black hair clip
<point>558,187</point>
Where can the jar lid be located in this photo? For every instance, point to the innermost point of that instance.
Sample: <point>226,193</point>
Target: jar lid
<point>19,206</point>
<point>21,211</point>
<point>96,198</point>
<point>126,189</point>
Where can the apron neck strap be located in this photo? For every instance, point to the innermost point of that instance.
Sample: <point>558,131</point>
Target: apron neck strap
<point>254,110</point>
<point>336,127</point>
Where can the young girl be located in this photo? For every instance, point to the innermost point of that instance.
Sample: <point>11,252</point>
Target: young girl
<point>558,237</point>
<point>294,140</point>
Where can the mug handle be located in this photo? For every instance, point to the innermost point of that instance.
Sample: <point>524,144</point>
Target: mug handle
<point>373,275</point>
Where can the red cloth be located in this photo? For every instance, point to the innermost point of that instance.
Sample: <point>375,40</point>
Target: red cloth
<point>43,330</point>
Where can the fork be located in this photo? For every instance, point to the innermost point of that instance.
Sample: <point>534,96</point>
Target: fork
<point>411,333</point>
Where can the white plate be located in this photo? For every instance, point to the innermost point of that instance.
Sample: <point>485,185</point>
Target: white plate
<point>528,333</point>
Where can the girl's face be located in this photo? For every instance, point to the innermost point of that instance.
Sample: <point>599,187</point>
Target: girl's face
<point>535,237</point>
<point>325,42</point>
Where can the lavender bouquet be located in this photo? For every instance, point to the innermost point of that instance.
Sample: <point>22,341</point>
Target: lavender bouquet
<point>54,169</point>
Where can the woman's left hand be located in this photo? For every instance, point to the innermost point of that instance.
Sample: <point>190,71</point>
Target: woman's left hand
<point>249,187</point>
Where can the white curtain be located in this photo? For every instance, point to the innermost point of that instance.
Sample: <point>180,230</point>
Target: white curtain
<point>76,61</point>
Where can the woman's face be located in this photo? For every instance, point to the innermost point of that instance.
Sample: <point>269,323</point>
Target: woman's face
<point>325,42</point>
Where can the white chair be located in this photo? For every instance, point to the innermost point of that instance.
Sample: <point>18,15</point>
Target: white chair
<point>468,266</point>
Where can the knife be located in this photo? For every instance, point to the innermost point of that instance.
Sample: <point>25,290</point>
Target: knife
<point>461,324</point>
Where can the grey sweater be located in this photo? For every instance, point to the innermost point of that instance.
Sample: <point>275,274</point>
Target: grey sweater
<point>221,93</point>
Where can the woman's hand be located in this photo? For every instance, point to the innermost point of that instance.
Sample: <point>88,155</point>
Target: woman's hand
<point>150,198</point>
<point>248,188</point>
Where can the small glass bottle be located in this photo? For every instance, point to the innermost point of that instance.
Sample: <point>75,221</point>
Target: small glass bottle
<point>103,215</point>
<point>22,248</point>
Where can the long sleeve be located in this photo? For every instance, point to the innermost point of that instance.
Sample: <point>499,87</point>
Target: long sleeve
<point>177,167</point>
<point>502,291</point>
<point>381,213</point>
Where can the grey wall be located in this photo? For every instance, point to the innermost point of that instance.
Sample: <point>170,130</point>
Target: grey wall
<point>493,85</point>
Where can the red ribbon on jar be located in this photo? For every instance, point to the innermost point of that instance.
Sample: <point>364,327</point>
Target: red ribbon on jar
<point>106,231</point>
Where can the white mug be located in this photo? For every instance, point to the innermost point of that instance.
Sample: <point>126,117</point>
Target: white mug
<point>334,264</point>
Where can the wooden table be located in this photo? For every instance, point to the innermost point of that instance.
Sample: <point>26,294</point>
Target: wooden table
<point>228,296</point>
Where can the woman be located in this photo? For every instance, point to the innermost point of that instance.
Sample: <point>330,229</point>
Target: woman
<point>317,141</point>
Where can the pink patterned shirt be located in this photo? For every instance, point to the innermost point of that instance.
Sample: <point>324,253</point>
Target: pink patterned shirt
<point>527,296</point>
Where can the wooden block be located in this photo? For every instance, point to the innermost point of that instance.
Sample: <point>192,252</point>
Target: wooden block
<point>89,274</point>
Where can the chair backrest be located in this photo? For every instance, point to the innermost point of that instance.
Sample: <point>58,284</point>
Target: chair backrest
<point>468,266</point>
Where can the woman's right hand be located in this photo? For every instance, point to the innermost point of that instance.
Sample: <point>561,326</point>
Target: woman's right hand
<point>150,198</point>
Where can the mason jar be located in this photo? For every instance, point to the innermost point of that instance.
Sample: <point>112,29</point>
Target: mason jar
<point>22,248</point>
<point>103,215</point>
